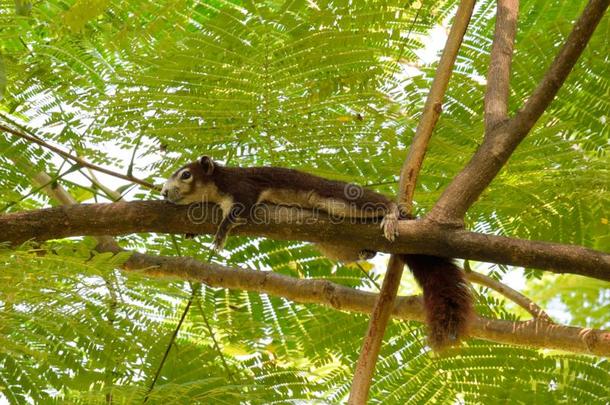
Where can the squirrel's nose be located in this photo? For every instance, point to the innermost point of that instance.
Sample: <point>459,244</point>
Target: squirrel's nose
<point>164,193</point>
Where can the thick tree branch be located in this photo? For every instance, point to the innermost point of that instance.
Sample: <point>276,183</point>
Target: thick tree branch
<point>500,143</point>
<point>285,223</point>
<point>498,74</point>
<point>534,333</point>
<point>76,159</point>
<point>408,178</point>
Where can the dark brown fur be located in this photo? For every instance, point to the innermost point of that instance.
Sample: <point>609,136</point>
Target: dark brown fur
<point>447,299</point>
<point>246,184</point>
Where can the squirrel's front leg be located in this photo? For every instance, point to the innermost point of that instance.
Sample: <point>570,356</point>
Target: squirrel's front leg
<point>233,214</point>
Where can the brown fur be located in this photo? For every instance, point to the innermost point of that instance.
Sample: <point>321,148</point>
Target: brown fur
<point>248,184</point>
<point>447,300</point>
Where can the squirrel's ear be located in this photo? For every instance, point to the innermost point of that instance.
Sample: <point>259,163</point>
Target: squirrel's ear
<point>207,164</point>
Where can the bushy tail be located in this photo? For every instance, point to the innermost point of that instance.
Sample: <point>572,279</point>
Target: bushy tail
<point>447,299</point>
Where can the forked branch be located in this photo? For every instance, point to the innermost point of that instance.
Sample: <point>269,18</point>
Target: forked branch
<point>75,159</point>
<point>501,141</point>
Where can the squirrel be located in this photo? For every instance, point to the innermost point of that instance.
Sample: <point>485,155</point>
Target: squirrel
<point>448,303</point>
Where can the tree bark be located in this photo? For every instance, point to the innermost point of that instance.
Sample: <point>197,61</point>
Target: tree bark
<point>502,140</point>
<point>367,360</point>
<point>285,223</point>
<point>498,74</point>
<point>534,333</point>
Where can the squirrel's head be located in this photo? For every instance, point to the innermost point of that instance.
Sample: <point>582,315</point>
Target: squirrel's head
<point>181,187</point>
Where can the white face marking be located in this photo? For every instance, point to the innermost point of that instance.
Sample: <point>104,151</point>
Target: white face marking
<point>182,189</point>
<point>177,187</point>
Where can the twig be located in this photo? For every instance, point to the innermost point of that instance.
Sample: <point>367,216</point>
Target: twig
<point>367,275</point>
<point>500,143</point>
<point>369,352</point>
<point>114,195</point>
<point>214,341</point>
<point>511,294</point>
<point>498,74</point>
<point>76,159</point>
<point>171,342</point>
<point>50,184</point>
<point>109,349</point>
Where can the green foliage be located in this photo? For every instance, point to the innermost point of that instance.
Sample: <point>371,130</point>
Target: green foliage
<point>323,86</point>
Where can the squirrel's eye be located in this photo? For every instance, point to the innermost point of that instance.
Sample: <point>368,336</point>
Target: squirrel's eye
<point>185,175</point>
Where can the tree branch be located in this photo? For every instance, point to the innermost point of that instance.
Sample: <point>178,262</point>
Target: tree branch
<point>513,295</point>
<point>408,179</point>
<point>433,107</point>
<point>531,333</point>
<point>286,223</point>
<point>380,315</point>
<point>76,159</point>
<point>498,74</point>
<point>560,68</point>
<point>499,143</point>
<point>314,291</point>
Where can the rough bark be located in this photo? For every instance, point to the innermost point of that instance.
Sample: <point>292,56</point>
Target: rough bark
<point>535,333</point>
<point>284,223</point>
<point>408,179</point>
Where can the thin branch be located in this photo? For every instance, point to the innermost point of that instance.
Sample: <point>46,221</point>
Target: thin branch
<point>55,191</point>
<point>110,364</point>
<point>289,223</point>
<point>384,304</point>
<point>76,159</point>
<point>500,143</point>
<point>498,74</point>
<point>511,294</point>
<point>433,107</point>
<point>113,195</point>
<point>170,344</point>
<point>368,276</point>
<point>561,67</point>
<point>214,341</point>
<point>42,186</point>
<point>533,333</point>
<point>371,345</point>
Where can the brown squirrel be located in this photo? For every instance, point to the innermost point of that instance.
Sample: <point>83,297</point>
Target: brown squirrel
<point>447,299</point>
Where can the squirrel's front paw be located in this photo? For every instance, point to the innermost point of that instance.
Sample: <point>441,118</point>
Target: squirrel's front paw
<point>389,224</point>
